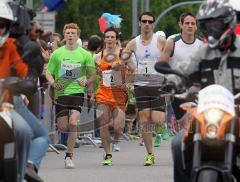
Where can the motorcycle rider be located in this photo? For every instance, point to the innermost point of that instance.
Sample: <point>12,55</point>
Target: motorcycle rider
<point>236,6</point>
<point>32,138</point>
<point>10,57</point>
<point>216,62</point>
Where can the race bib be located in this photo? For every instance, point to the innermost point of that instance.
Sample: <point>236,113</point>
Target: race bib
<point>70,71</point>
<point>111,78</point>
<point>146,68</point>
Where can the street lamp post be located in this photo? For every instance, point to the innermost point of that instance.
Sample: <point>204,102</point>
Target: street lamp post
<point>173,7</point>
<point>147,3</point>
<point>134,17</point>
<point>29,4</point>
<point>144,6</point>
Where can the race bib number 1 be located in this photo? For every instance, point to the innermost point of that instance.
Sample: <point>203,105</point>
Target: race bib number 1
<point>111,78</point>
<point>70,71</point>
<point>146,68</point>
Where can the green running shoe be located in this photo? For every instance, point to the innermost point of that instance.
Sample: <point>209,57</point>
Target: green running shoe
<point>134,137</point>
<point>159,129</point>
<point>149,159</point>
<point>158,140</point>
<point>165,134</point>
<point>107,160</point>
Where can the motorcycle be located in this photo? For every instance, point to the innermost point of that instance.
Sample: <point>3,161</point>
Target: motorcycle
<point>211,141</point>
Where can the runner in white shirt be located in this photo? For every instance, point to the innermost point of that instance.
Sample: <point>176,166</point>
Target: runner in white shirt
<point>147,48</point>
<point>180,47</point>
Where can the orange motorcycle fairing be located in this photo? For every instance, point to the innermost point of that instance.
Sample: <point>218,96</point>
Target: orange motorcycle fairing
<point>200,118</point>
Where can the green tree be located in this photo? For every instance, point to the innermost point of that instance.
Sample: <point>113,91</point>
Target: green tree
<point>86,13</point>
<point>169,23</point>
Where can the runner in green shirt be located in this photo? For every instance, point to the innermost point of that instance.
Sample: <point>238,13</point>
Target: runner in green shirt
<point>68,67</point>
<point>70,72</point>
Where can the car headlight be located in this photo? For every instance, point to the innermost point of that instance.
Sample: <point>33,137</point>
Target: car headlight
<point>212,117</point>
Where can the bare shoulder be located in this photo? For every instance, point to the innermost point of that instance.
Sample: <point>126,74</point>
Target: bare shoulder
<point>167,51</point>
<point>131,46</point>
<point>169,42</point>
<point>161,42</point>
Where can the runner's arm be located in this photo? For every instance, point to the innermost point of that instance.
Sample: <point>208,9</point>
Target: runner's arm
<point>161,42</point>
<point>127,53</point>
<point>49,78</point>
<point>51,70</point>
<point>167,51</point>
<point>91,73</point>
<point>130,65</point>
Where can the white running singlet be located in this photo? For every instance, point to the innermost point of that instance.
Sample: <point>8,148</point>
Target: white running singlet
<point>146,57</point>
<point>182,50</point>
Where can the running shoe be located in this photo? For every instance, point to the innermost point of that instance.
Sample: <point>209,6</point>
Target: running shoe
<point>158,140</point>
<point>159,129</point>
<point>149,159</point>
<point>165,134</point>
<point>134,137</point>
<point>115,147</point>
<point>69,163</point>
<point>107,160</point>
<point>125,137</point>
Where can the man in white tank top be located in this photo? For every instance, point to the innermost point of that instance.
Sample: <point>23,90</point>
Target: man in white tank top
<point>180,47</point>
<point>147,48</point>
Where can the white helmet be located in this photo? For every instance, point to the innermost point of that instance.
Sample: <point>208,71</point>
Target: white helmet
<point>236,6</point>
<point>5,13</point>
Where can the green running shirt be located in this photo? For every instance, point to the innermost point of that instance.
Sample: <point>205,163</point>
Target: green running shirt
<point>69,65</point>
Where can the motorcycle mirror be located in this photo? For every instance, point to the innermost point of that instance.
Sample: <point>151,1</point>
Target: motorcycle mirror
<point>164,68</point>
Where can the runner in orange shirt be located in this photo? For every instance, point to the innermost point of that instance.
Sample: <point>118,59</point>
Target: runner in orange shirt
<point>111,95</point>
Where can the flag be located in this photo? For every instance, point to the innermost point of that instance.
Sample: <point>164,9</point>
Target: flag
<point>102,24</point>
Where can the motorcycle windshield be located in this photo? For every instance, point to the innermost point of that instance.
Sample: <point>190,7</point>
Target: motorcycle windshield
<point>216,96</point>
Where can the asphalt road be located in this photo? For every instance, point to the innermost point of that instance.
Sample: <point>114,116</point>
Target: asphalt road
<point>128,165</point>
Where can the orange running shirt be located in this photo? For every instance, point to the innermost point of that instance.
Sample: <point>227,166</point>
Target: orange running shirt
<point>110,91</point>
